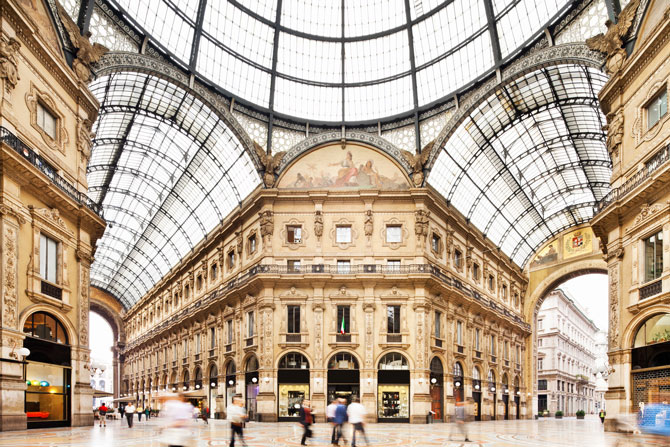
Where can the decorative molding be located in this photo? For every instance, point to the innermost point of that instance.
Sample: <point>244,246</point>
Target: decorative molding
<point>647,212</point>
<point>51,216</point>
<point>8,63</point>
<point>9,210</point>
<point>303,236</point>
<point>641,132</point>
<point>10,276</point>
<point>394,221</point>
<point>333,233</point>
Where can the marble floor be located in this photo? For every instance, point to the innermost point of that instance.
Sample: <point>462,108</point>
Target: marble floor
<point>547,432</point>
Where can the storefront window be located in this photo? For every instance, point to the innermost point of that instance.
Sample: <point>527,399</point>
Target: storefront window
<point>293,377</point>
<point>47,392</point>
<point>44,326</point>
<point>393,388</point>
<point>655,330</point>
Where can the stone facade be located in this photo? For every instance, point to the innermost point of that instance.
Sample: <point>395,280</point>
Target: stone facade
<point>256,262</point>
<point>43,192</point>
<point>566,357</point>
<point>635,219</point>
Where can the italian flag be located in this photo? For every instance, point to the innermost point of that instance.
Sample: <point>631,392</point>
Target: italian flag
<point>342,331</point>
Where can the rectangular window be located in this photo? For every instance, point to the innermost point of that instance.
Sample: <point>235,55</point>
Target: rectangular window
<point>185,346</point>
<point>542,384</point>
<point>250,324</point>
<point>518,354</point>
<point>477,337</point>
<point>393,265</point>
<point>475,272</point>
<point>435,243</point>
<point>187,291</point>
<point>393,233</point>
<point>459,333</point>
<point>438,324</point>
<point>393,316</point>
<point>48,258</point>
<point>653,257</point>
<point>198,282</point>
<point>294,234</point>
<point>343,234</point>
<point>343,319</point>
<point>46,120</point>
<point>229,325</point>
<point>198,345</point>
<point>293,319</point>
<point>657,108</point>
<point>539,324</point>
<point>491,280</point>
<point>504,292</point>
<point>174,352</point>
<point>343,266</point>
<point>506,350</point>
<point>539,342</point>
<point>252,244</point>
<point>231,259</point>
<point>493,345</point>
<point>458,259</point>
<point>212,338</point>
<point>215,271</point>
<point>293,265</point>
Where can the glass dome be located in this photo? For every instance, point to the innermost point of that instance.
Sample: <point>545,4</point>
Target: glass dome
<point>341,61</point>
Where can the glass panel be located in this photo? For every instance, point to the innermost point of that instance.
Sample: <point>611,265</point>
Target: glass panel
<point>653,257</point>
<point>393,233</point>
<point>343,267</point>
<point>657,108</point>
<point>46,392</point>
<point>655,330</point>
<point>343,234</point>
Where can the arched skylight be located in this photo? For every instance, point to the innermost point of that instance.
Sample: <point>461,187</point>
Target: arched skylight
<point>166,170</point>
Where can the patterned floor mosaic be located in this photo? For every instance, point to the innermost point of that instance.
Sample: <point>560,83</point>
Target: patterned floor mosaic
<point>548,432</point>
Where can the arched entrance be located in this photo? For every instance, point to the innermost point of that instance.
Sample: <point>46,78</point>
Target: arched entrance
<point>393,388</point>
<point>477,393</point>
<point>517,397</point>
<point>231,382</point>
<point>186,381</point>
<point>437,389</point>
<point>458,382</point>
<point>293,382</point>
<point>48,374</point>
<point>505,395</point>
<point>343,377</point>
<point>650,361</point>
<point>213,389</point>
<point>251,385</point>
<point>493,390</point>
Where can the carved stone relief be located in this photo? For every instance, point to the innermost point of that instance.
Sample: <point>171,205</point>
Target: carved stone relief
<point>83,304</point>
<point>318,341</point>
<point>8,63</point>
<point>9,299</point>
<point>369,342</point>
<point>613,277</point>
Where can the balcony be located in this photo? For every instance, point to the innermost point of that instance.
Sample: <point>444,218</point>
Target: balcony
<point>11,140</point>
<point>494,359</point>
<point>184,361</point>
<point>438,343</point>
<point>174,363</point>
<point>343,338</point>
<point>197,357</point>
<point>581,379</point>
<point>650,290</point>
<point>460,349</point>
<point>478,354</point>
<point>212,352</point>
<point>229,347</point>
<point>51,290</point>
<point>249,341</point>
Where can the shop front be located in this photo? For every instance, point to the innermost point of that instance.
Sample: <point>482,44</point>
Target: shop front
<point>505,395</point>
<point>48,372</point>
<point>436,389</point>
<point>476,394</point>
<point>650,375</point>
<point>459,393</point>
<point>343,377</point>
<point>293,383</point>
<point>251,386</point>
<point>393,400</point>
<point>517,398</point>
<point>213,391</point>
<point>493,391</point>
<point>231,383</point>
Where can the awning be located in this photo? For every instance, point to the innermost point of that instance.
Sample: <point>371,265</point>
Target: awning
<point>196,393</point>
<point>124,399</point>
<point>101,393</point>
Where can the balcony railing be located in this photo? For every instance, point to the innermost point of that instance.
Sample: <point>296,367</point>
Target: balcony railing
<point>184,360</point>
<point>460,349</point>
<point>394,338</point>
<point>212,352</point>
<point>493,359</point>
<point>229,347</point>
<point>655,163</point>
<point>343,338</point>
<point>438,343</point>
<point>197,357</point>
<point>51,290</point>
<point>293,338</point>
<point>478,354</point>
<point>249,341</point>
<point>650,289</point>
<point>40,163</point>
<point>435,271</point>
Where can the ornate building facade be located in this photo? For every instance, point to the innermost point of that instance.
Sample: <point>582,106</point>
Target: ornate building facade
<point>342,280</point>
<point>566,357</point>
<point>48,226</point>
<point>633,223</point>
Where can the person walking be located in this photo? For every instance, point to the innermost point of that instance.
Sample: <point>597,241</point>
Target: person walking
<point>356,415</point>
<point>147,412</point>
<point>330,417</point>
<point>130,414</point>
<point>340,419</point>
<point>306,420</point>
<point>140,412</point>
<point>601,415</point>
<point>178,412</point>
<point>237,415</point>
<point>122,410</point>
<point>102,411</point>
<point>459,416</point>
<point>204,415</point>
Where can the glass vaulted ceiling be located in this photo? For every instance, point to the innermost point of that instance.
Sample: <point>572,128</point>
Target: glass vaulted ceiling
<point>341,60</point>
<point>530,161</point>
<point>166,170</point>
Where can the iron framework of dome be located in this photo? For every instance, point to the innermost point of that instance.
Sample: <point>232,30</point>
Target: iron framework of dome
<point>522,163</point>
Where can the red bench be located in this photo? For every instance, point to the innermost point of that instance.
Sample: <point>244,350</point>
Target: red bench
<point>38,414</point>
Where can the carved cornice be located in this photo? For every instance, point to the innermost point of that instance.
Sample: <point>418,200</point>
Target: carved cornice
<point>8,210</point>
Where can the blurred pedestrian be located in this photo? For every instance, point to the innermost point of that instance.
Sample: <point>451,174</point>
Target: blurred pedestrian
<point>204,415</point>
<point>237,415</point>
<point>459,417</point>
<point>340,419</point>
<point>140,412</point>
<point>147,412</point>
<point>177,411</point>
<point>356,415</point>
<point>130,414</point>
<point>306,420</point>
<point>330,417</point>
<point>601,415</point>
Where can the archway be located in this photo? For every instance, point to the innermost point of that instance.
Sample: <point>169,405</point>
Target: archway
<point>437,389</point>
<point>393,381</point>
<point>293,382</point>
<point>104,374</point>
<point>231,382</point>
<point>252,385</point>
<point>343,377</point>
<point>213,389</point>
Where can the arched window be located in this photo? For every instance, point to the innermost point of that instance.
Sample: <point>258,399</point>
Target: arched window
<point>46,327</point>
<point>476,374</point>
<point>187,379</point>
<point>436,366</point>
<point>102,385</point>
<point>492,377</point>
<point>230,368</point>
<point>393,360</point>
<point>655,330</point>
<point>252,364</point>
<point>293,360</point>
<point>343,360</point>
<point>458,369</point>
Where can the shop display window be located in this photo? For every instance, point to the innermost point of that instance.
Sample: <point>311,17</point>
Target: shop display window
<point>393,401</point>
<point>291,397</point>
